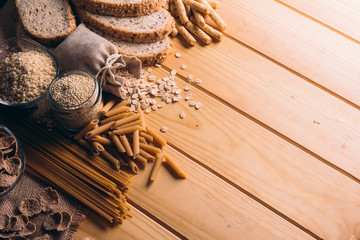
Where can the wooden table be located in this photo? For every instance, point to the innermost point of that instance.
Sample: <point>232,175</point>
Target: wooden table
<point>274,150</point>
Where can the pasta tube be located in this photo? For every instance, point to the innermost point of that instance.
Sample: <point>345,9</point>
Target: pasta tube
<point>157,138</point>
<point>90,126</point>
<point>177,171</point>
<point>156,167</point>
<point>126,145</point>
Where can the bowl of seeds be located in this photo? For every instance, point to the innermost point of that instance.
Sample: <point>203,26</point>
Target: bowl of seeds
<point>12,161</point>
<point>26,70</point>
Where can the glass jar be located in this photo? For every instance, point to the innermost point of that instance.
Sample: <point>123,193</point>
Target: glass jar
<point>75,99</point>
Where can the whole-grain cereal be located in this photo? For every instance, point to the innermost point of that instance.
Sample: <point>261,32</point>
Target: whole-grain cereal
<point>25,76</point>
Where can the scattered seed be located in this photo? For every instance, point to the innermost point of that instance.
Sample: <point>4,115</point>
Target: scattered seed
<point>177,91</point>
<point>177,54</point>
<point>154,107</point>
<point>163,129</point>
<point>183,66</point>
<point>187,88</point>
<point>190,77</point>
<point>187,98</point>
<point>192,103</point>
<point>198,81</point>
<point>173,72</point>
<point>168,100</point>
<point>149,69</point>
<point>147,110</point>
<point>160,105</point>
<point>198,105</point>
<point>151,78</point>
<point>182,115</point>
<point>157,65</point>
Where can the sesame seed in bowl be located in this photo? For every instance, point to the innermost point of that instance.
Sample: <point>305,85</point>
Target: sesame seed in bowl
<point>26,70</point>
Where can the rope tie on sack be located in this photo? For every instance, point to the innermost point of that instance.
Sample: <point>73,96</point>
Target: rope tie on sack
<point>106,69</point>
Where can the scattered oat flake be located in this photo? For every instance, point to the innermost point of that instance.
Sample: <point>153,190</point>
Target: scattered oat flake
<point>149,69</point>
<point>198,105</point>
<point>173,72</point>
<point>183,66</point>
<point>187,88</point>
<point>198,81</point>
<point>160,105</point>
<point>190,76</point>
<point>163,129</point>
<point>157,65</point>
<point>177,54</point>
<point>182,115</point>
<point>147,110</point>
<point>151,78</point>
<point>192,103</point>
<point>154,107</point>
<point>187,98</point>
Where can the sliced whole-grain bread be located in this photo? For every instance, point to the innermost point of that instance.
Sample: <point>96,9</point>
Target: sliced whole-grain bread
<point>146,28</point>
<point>148,53</point>
<point>48,21</point>
<point>120,8</point>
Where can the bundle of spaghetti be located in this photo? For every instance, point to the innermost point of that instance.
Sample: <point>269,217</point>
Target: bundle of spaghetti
<point>122,138</point>
<point>92,181</point>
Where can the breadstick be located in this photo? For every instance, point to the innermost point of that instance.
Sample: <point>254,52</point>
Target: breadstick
<point>99,130</point>
<point>174,32</point>
<point>128,130</point>
<point>180,8</point>
<point>172,9</point>
<point>198,32</point>
<point>186,35</point>
<point>179,173</point>
<point>197,6</point>
<point>116,140</point>
<point>114,118</point>
<point>209,30</point>
<point>111,159</point>
<point>187,10</point>
<point>117,110</point>
<point>126,145</point>
<point>107,106</point>
<point>150,148</point>
<point>157,138</point>
<point>90,126</point>
<point>214,16</point>
<point>156,167</point>
<point>199,18</point>
<point>213,3</point>
<point>136,148</point>
<point>126,120</point>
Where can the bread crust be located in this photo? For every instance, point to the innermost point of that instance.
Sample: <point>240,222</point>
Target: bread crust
<point>128,35</point>
<point>120,9</point>
<point>53,40</point>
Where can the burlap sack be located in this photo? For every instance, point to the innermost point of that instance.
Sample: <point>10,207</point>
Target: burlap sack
<point>86,50</point>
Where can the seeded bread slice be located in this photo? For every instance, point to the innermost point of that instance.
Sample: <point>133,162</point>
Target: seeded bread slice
<point>120,8</point>
<point>48,21</point>
<point>148,53</point>
<point>146,28</point>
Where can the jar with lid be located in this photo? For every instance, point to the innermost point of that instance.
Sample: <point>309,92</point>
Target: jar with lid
<point>75,99</point>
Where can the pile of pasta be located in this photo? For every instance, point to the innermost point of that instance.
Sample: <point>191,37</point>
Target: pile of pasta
<point>190,20</point>
<point>122,138</point>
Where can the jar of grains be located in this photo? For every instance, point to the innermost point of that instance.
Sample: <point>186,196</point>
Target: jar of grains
<point>75,99</point>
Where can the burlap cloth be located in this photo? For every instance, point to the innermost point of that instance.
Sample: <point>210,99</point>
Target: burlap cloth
<point>30,187</point>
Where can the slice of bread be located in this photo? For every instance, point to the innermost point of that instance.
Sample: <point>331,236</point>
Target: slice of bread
<point>120,8</point>
<point>146,28</point>
<point>148,53</point>
<point>48,21</point>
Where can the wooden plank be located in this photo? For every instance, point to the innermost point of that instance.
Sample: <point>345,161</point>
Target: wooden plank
<point>294,183</point>
<point>138,227</point>
<point>340,15</point>
<point>205,207</point>
<point>277,98</point>
<point>318,53</point>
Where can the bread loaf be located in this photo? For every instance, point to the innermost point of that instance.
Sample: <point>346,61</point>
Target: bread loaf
<point>48,21</point>
<point>120,8</point>
<point>145,28</point>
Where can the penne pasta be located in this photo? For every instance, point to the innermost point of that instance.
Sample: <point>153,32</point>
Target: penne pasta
<point>141,117</point>
<point>141,160</point>
<point>156,167</point>
<point>135,144</point>
<point>126,120</point>
<point>176,170</point>
<point>130,124</point>
<point>150,148</point>
<point>143,140</point>
<point>107,106</point>
<point>133,166</point>
<point>146,136</point>
<point>111,159</point>
<point>126,145</point>
<point>157,138</point>
<point>146,155</point>
<point>97,146</point>
<point>128,130</point>
<point>100,139</point>
<point>99,130</point>
<point>116,140</point>
<point>117,110</point>
<point>114,118</point>
<point>90,126</point>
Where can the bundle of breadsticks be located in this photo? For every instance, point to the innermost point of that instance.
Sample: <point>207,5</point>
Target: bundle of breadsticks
<point>191,15</point>
<point>122,138</point>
